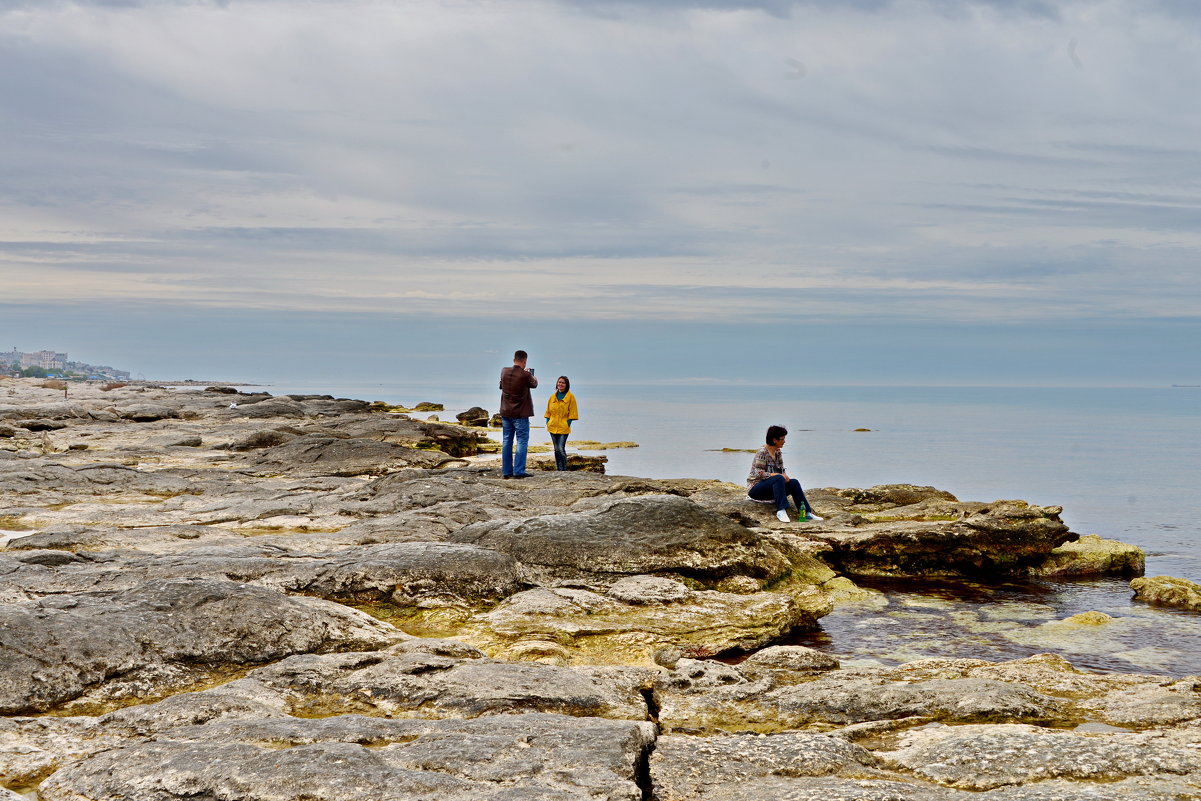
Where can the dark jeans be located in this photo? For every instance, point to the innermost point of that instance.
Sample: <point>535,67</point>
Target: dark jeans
<point>777,489</point>
<point>560,442</point>
<point>514,428</point>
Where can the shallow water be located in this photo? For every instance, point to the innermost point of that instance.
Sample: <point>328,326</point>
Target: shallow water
<point>1123,462</point>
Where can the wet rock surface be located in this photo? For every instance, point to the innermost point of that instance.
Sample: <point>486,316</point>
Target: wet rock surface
<point>1168,591</point>
<point>222,595</point>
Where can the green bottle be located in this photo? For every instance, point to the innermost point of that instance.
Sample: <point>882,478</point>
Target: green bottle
<point>802,514</point>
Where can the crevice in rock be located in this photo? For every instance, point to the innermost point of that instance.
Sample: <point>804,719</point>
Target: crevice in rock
<point>642,771</point>
<point>652,705</point>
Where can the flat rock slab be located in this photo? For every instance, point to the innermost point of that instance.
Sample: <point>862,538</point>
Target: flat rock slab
<point>632,621</point>
<point>632,536</point>
<point>838,698</point>
<point>404,574</point>
<point>161,636</point>
<point>988,757</point>
<point>317,455</point>
<point>786,788</point>
<point>693,767</point>
<point>763,695</point>
<point>507,758</point>
<point>415,684</point>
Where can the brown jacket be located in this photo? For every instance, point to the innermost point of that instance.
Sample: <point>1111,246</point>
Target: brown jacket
<point>515,385</point>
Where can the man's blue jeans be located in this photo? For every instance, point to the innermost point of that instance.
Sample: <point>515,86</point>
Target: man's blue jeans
<point>560,441</point>
<point>514,464</point>
<point>778,490</point>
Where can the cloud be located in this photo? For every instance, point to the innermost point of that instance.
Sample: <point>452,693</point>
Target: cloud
<point>603,160</point>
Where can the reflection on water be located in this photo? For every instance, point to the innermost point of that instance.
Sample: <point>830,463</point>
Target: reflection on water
<point>1011,620</point>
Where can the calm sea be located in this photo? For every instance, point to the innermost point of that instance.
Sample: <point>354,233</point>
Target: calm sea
<point>1124,463</point>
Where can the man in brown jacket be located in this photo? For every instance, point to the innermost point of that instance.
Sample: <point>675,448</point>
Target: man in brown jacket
<point>516,409</point>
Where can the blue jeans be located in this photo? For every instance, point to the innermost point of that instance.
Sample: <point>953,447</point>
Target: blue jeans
<point>509,426</point>
<point>560,442</point>
<point>778,490</point>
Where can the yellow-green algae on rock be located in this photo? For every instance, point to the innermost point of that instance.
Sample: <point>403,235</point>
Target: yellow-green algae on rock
<point>1091,556</point>
<point>1168,591</point>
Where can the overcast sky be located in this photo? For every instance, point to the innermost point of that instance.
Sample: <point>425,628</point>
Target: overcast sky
<point>1000,189</point>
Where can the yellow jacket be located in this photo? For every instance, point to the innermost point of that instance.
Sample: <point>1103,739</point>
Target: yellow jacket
<point>558,412</point>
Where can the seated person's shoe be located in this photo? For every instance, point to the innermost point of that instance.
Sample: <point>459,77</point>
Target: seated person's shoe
<point>782,516</point>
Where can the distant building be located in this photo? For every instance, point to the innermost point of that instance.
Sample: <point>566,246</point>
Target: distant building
<point>59,362</point>
<point>46,359</point>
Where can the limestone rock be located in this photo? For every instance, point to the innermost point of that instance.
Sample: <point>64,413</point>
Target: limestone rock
<point>267,438</point>
<point>633,536</point>
<point>700,767</point>
<point>42,425</point>
<point>787,663</point>
<point>976,757</point>
<point>594,628</point>
<point>884,496</point>
<point>1002,538</point>
<point>1168,591</point>
<point>475,416</point>
<point>421,577</point>
<point>1091,556</point>
<point>268,407</point>
<point>839,698</point>
<point>408,683</point>
<point>351,759</point>
<point>147,412</point>
<point>161,636</point>
<point>455,440</point>
<point>319,455</point>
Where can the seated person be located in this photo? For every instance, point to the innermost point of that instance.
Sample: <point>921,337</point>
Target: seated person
<point>769,482</point>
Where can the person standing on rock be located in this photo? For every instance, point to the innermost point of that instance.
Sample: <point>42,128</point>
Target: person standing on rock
<point>769,482</point>
<point>561,409</point>
<point>516,409</point>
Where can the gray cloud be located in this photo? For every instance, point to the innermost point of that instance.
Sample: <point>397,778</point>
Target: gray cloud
<point>471,160</point>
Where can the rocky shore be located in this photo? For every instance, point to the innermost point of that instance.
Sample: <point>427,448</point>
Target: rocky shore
<point>215,596</point>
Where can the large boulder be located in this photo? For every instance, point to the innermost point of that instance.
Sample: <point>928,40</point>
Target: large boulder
<point>1003,538</point>
<point>662,534</point>
<point>475,416</point>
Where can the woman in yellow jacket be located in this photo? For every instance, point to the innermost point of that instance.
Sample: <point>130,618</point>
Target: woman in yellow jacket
<point>560,411</point>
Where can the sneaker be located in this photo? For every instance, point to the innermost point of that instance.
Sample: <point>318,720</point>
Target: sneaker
<point>782,516</point>
<point>815,518</point>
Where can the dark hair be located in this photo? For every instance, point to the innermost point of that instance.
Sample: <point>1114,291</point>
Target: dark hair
<point>774,433</point>
<point>520,356</point>
<point>566,381</point>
